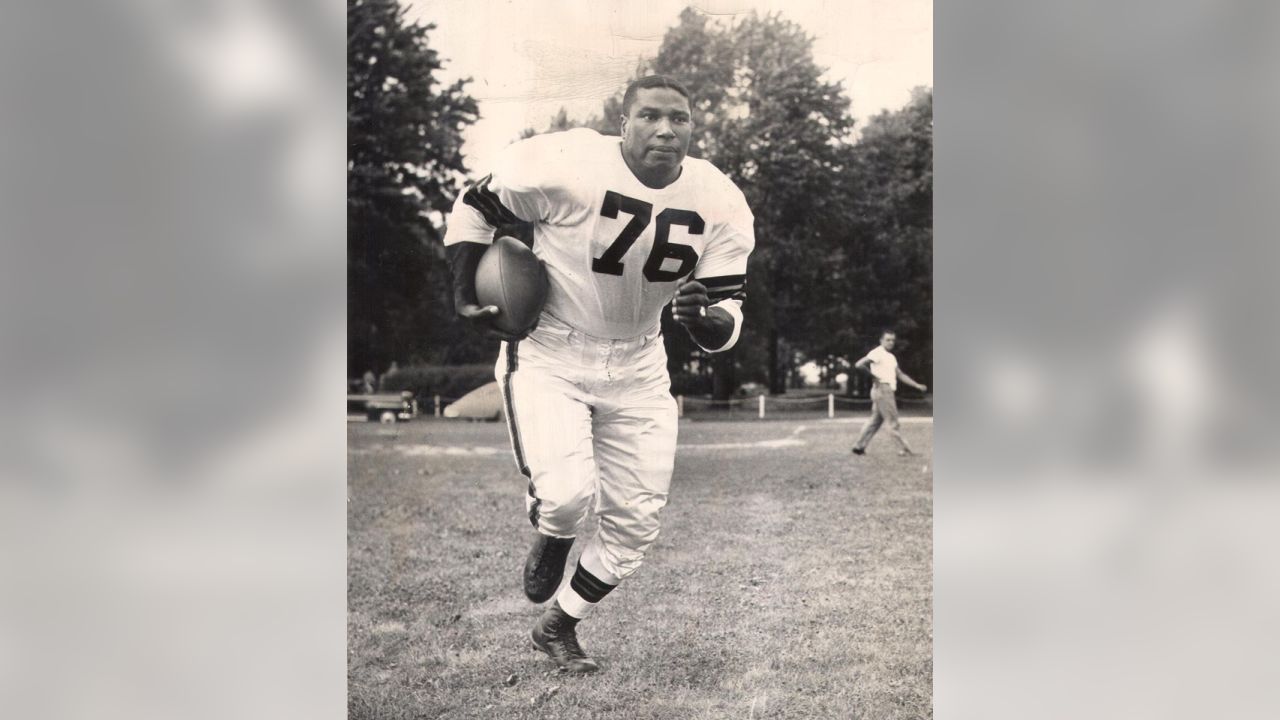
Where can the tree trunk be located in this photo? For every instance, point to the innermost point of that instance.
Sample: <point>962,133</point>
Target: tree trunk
<point>724,376</point>
<point>777,373</point>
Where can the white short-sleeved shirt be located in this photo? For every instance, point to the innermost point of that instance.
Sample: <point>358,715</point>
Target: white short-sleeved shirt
<point>884,366</point>
<point>615,249</point>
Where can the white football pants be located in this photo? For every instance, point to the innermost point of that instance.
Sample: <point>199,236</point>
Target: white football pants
<point>592,420</point>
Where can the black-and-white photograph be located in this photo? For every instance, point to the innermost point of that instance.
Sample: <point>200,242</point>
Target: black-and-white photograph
<point>640,347</point>
<point>661,401</point>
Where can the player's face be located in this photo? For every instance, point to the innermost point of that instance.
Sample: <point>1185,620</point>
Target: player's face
<point>887,340</point>
<point>656,131</point>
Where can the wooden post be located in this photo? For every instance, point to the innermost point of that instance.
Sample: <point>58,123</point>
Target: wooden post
<point>762,406</point>
<point>831,405</point>
<point>680,403</point>
<point>437,406</point>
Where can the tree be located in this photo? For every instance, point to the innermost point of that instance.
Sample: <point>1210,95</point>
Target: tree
<point>766,118</point>
<point>404,158</point>
<point>877,269</point>
<point>889,273</point>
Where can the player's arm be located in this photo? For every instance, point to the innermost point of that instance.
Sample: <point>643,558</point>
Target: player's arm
<point>864,364</point>
<point>512,194</point>
<point>463,257</point>
<point>710,304</point>
<point>903,377</point>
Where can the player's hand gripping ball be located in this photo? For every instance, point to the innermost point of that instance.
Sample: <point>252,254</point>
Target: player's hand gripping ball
<point>511,279</point>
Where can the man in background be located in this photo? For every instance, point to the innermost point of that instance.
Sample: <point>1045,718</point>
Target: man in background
<point>885,374</point>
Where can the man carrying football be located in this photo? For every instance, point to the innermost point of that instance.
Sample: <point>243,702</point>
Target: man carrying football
<point>623,227</point>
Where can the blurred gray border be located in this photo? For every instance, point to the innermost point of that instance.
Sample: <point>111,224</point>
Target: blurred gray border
<point>1105,250</point>
<point>172,482</point>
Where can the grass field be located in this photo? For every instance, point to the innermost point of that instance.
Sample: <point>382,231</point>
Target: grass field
<point>791,580</point>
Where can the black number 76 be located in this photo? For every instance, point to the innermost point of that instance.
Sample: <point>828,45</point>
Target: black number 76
<point>610,263</point>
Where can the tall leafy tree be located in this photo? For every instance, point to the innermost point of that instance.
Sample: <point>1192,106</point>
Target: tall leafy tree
<point>888,274</point>
<point>404,159</point>
<point>765,116</point>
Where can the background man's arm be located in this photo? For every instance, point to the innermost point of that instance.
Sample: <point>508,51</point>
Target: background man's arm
<point>907,379</point>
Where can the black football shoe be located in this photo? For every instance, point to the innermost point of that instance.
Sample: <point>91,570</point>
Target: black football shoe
<point>544,568</point>
<point>554,634</point>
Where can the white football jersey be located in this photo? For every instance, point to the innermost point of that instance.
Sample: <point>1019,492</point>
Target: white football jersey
<point>615,250</point>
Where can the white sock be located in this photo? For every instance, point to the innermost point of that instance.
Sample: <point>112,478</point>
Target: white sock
<point>573,604</point>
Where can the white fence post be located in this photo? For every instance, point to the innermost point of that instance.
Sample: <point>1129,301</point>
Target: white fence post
<point>761,406</point>
<point>680,402</point>
<point>831,405</point>
<point>437,406</point>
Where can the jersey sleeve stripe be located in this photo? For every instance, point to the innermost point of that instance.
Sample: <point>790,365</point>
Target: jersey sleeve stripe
<point>738,293</point>
<point>722,281</point>
<point>487,202</point>
<point>725,287</point>
<point>472,198</point>
<point>506,212</point>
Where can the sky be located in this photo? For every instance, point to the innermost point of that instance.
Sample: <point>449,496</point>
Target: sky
<point>528,59</point>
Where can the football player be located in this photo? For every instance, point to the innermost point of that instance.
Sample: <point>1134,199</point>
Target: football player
<point>624,227</point>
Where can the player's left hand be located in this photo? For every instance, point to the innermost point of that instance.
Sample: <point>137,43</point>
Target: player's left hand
<point>690,303</point>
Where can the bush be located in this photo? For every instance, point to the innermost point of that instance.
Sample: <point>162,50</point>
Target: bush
<point>448,381</point>
<point>687,383</point>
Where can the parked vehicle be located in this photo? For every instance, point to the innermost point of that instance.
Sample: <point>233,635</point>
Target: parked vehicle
<point>381,407</point>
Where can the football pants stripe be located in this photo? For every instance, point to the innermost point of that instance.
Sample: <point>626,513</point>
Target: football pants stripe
<point>517,448</point>
<point>513,427</point>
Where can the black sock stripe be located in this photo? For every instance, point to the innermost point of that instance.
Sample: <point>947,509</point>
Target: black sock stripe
<point>591,588</point>
<point>589,592</point>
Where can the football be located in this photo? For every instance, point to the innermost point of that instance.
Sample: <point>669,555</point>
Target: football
<point>510,276</point>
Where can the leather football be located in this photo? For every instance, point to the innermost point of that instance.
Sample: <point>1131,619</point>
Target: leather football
<point>511,277</point>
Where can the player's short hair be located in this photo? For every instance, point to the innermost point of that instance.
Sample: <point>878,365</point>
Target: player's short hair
<point>651,81</point>
<point>888,331</point>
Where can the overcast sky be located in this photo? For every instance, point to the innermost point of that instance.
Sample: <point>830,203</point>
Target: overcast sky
<point>527,59</point>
